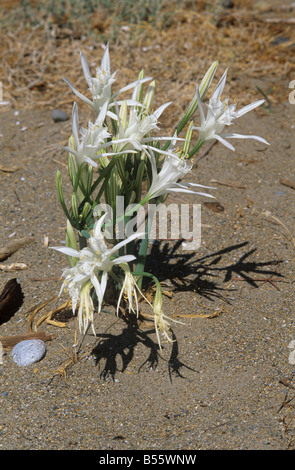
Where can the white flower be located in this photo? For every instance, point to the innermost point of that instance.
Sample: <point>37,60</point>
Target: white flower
<point>92,141</point>
<point>100,86</point>
<point>79,286</point>
<point>134,133</point>
<point>166,181</point>
<point>86,308</point>
<point>95,262</point>
<point>74,281</point>
<point>129,293</point>
<point>221,114</point>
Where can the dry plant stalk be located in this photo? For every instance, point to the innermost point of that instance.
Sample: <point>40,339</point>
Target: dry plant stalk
<point>47,317</point>
<point>10,341</point>
<point>268,214</point>
<point>34,58</point>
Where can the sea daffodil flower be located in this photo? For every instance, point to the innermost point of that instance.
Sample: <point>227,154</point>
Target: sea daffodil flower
<point>92,141</point>
<point>100,86</point>
<point>221,114</point>
<point>134,132</point>
<point>129,292</point>
<point>167,179</point>
<point>95,263</point>
<point>86,308</point>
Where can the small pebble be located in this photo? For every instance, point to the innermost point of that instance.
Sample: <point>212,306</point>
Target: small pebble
<point>228,3</point>
<point>58,115</point>
<point>29,351</point>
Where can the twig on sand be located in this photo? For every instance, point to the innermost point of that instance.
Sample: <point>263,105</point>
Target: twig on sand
<point>226,183</point>
<point>268,214</point>
<point>263,280</point>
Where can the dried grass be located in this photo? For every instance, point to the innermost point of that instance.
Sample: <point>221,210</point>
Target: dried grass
<point>176,53</point>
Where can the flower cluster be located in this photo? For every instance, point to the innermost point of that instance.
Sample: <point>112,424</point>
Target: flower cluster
<point>95,264</point>
<point>120,153</point>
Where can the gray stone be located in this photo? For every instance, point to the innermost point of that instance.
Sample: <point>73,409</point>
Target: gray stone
<point>29,351</point>
<point>228,3</point>
<point>58,115</point>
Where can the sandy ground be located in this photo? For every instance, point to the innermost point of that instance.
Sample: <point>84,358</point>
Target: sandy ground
<point>219,386</point>
<point>226,381</point>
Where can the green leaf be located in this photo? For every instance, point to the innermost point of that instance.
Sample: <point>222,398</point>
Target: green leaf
<point>61,196</point>
<point>74,206</point>
<point>85,234</point>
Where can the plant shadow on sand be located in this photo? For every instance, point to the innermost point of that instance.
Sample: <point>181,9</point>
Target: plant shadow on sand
<point>184,273</point>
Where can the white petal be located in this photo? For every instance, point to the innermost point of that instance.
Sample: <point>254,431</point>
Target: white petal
<point>200,185</point>
<point>182,190</point>
<point>90,161</point>
<point>67,251</point>
<point>82,97</point>
<point>223,141</point>
<point>162,152</point>
<point>242,136</point>
<point>132,85</point>
<point>103,283</point>
<point>130,102</point>
<point>75,125</point>
<point>99,287</point>
<point>102,113</point>
<point>160,110</point>
<point>124,259</point>
<point>85,68</point>
<point>69,149</point>
<point>124,242</point>
<point>219,88</point>
<point>175,139</point>
<point>105,61</point>
<point>112,115</point>
<point>249,107</point>
<point>98,225</point>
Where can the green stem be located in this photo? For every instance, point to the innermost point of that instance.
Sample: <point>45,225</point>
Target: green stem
<point>140,265</point>
<point>152,276</point>
<point>196,148</point>
<point>82,242</point>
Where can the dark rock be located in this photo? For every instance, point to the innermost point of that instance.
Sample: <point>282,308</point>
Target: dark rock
<point>227,3</point>
<point>58,115</point>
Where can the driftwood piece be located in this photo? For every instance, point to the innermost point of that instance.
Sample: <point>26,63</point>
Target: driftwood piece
<point>7,169</point>
<point>11,341</point>
<point>14,245</point>
<point>11,299</point>
<point>287,182</point>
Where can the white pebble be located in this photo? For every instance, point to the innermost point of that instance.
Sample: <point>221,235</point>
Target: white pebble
<point>29,351</point>
<point>292,357</point>
<point>292,354</point>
